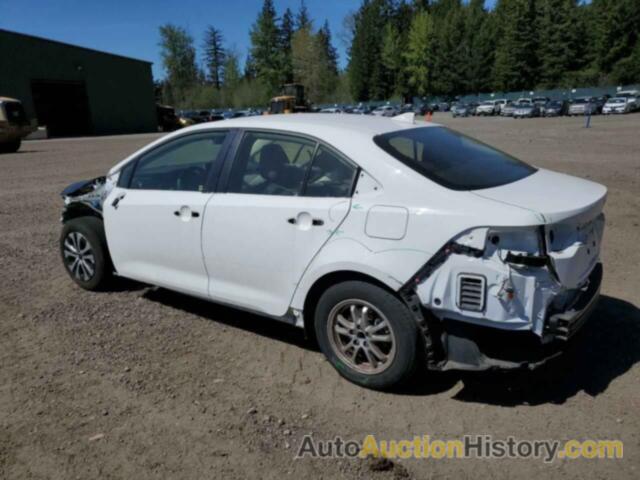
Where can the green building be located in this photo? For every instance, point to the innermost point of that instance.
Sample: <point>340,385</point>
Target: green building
<point>75,90</point>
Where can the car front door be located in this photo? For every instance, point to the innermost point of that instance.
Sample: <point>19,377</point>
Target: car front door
<point>153,218</point>
<point>260,235</point>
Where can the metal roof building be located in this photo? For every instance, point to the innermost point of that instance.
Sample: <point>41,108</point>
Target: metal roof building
<point>75,90</point>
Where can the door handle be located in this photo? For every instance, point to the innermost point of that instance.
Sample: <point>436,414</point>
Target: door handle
<point>116,200</point>
<point>193,214</point>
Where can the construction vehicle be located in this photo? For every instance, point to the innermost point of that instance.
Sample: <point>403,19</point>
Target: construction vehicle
<point>291,100</point>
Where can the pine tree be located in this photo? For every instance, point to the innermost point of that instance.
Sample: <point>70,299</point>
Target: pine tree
<point>515,65</point>
<point>418,55</point>
<point>287,29</point>
<point>366,75</point>
<point>303,19</point>
<point>331,54</point>
<point>478,48</point>
<point>214,55</point>
<point>558,33</point>
<point>266,52</point>
<point>617,31</point>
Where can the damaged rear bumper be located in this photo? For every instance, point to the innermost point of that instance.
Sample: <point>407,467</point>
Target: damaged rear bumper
<point>473,347</point>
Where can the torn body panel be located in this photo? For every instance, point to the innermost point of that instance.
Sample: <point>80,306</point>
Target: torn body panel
<point>86,197</point>
<point>538,284</point>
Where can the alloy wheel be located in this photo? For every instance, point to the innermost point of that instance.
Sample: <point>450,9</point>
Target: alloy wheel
<point>79,257</point>
<point>361,336</point>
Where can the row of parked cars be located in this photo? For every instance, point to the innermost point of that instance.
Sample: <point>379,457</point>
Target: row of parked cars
<point>623,102</point>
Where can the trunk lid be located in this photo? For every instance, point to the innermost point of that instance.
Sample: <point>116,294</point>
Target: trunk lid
<point>570,209</point>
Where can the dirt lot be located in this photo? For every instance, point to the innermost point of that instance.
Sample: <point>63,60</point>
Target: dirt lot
<point>144,383</point>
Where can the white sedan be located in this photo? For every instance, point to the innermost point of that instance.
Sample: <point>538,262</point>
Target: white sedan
<point>392,244</point>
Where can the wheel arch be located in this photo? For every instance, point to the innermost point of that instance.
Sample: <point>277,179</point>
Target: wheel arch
<point>321,284</point>
<point>79,209</point>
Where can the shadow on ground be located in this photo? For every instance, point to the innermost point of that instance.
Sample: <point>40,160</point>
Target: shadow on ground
<point>606,348</point>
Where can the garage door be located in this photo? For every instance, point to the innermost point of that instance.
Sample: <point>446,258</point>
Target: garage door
<point>62,106</point>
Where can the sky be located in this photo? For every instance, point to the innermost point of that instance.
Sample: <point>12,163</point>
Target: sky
<point>130,28</point>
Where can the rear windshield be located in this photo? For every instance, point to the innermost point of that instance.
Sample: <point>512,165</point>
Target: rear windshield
<point>451,159</point>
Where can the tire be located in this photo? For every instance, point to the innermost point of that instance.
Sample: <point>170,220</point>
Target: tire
<point>94,270</point>
<point>387,317</point>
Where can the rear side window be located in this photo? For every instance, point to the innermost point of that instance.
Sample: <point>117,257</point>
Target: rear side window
<point>271,164</point>
<point>330,175</point>
<point>451,159</point>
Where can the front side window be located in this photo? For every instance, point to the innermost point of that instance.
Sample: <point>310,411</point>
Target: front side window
<point>182,164</point>
<point>451,159</point>
<point>271,164</point>
<point>330,175</point>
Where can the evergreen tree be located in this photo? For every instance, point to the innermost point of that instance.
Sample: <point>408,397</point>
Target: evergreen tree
<point>214,55</point>
<point>303,19</point>
<point>515,65</point>
<point>478,48</point>
<point>617,31</point>
<point>179,60</point>
<point>331,54</point>
<point>391,56</point>
<point>366,75</point>
<point>418,54</point>
<point>266,52</point>
<point>287,29</point>
<point>310,65</point>
<point>558,34</point>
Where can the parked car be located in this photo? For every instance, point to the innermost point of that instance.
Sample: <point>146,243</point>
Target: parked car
<point>460,110</point>
<point>331,110</point>
<point>14,125</point>
<point>583,106</point>
<point>167,119</point>
<point>526,110</point>
<point>555,108</point>
<point>541,102</point>
<point>617,105</point>
<point>392,243</point>
<point>488,107</point>
<point>508,109</point>
<point>633,98</point>
<point>444,107</point>
<point>385,111</point>
<point>473,106</point>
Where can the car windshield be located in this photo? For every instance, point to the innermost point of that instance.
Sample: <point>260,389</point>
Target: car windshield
<point>580,100</point>
<point>451,159</point>
<point>617,100</point>
<point>487,103</point>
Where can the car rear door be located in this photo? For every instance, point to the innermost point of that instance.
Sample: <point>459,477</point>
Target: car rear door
<point>275,214</point>
<point>153,218</point>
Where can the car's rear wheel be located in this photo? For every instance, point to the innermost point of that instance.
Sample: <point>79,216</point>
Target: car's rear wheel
<point>367,334</point>
<point>84,253</point>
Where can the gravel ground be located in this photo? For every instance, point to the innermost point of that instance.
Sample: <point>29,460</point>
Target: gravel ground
<point>145,383</point>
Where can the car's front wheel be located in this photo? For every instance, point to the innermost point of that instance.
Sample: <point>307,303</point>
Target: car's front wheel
<point>367,334</point>
<point>84,252</point>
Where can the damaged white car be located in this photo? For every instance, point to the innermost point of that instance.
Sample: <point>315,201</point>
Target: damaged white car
<point>393,244</point>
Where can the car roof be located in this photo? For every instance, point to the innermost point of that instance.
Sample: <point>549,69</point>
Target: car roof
<point>313,124</point>
<point>350,134</point>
